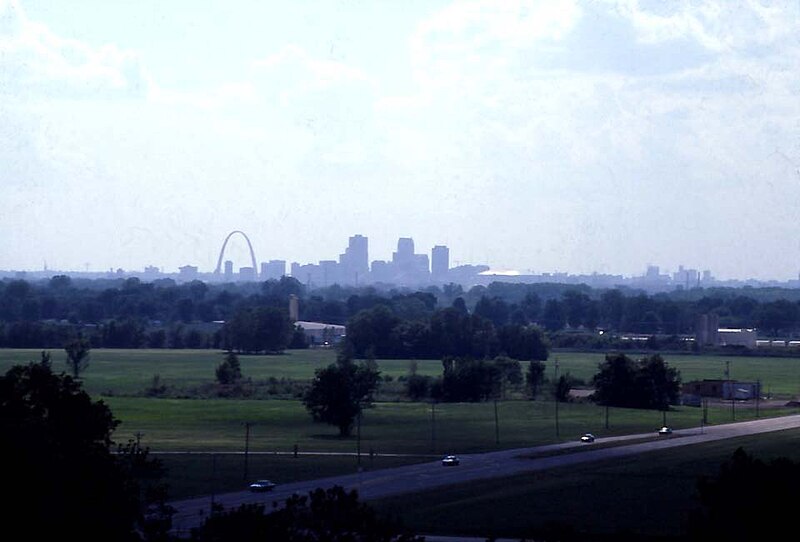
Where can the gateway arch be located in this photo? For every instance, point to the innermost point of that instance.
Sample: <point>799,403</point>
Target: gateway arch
<point>225,243</point>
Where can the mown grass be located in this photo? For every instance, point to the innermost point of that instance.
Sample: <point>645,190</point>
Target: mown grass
<point>649,496</point>
<point>127,372</point>
<point>120,378</point>
<point>277,425</point>
<point>131,372</point>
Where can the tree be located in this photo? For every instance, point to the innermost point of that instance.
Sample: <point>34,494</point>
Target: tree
<point>258,329</point>
<point>748,500</point>
<point>331,515</point>
<point>229,371</point>
<point>340,391</point>
<point>508,374</point>
<point>614,383</point>
<point>563,386</point>
<point>466,379</point>
<point>372,329</point>
<point>71,485</point>
<point>659,383</point>
<point>77,351</point>
<point>534,377</point>
<point>493,309</point>
<point>646,383</point>
<point>554,315</point>
<point>523,342</point>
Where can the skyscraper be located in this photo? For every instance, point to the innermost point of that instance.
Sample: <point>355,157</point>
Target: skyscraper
<point>355,260</point>
<point>440,262</point>
<point>404,257</point>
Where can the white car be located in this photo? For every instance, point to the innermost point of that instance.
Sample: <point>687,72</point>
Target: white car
<point>450,461</point>
<point>260,486</point>
<point>588,437</point>
<point>665,431</point>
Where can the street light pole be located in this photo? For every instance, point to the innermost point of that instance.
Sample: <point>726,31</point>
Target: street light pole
<point>246,447</point>
<point>758,395</point>
<point>358,440</point>
<point>556,393</point>
<point>496,425</point>
<point>433,426</point>
<point>730,389</point>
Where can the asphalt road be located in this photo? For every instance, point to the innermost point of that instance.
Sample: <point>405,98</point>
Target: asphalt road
<point>425,476</point>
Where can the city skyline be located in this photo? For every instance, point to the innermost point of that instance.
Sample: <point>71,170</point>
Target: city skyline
<point>406,268</point>
<point>539,136</point>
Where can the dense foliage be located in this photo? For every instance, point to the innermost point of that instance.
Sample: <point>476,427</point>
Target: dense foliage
<point>391,322</point>
<point>340,391</point>
<point>748,500</point>
<point>646,383</point>
<point>66,481</point>
<point>332,515</point>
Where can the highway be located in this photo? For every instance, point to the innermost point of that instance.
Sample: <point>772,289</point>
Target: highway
<point>429,475</point>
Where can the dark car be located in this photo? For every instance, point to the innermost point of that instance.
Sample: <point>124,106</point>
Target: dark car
<point>450,461</point>
<point>259,486</point>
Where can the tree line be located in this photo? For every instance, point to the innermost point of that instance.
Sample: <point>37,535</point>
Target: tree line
<point>129,313</point>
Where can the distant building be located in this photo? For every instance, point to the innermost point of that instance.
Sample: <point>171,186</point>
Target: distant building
<point>706,329</point>
<point>440,262</point>
<point>319,334</point>
<point>273,269</point>
<point>187,272</point>
<point>247,273</point>
<point>722,389</point>
<point>737,337</point>
<point>355,260</point>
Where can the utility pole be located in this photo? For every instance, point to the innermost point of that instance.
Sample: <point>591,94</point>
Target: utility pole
<point>358,441</point>
<point>758,395</point>
<point>496,425</point>
<point>433,426</point>
<point>730,389</point>
<point>556,393</point>
<point>213,479</point>
<point>246,447</point>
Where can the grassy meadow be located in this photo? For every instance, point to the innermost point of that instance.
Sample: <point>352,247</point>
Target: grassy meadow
<point>127,372</point>
<point>209,429</point>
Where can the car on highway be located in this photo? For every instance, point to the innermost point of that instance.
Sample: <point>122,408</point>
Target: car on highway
<point>587,437</point>
<point>260,486</point>
<point>450,461</point>
<point>665,431</point>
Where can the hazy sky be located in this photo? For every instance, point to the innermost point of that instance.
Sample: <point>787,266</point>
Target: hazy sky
<point>538,136</point>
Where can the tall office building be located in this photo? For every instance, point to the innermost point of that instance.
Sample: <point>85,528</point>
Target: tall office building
<point>273,269</point>
<point>404,257</point>
<point>440,262</point>
<point>355,260</point>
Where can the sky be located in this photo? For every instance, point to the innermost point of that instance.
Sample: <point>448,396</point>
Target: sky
<point>552,136</point>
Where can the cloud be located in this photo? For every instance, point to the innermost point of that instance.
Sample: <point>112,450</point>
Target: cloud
<point>37,63</point>
<point>718,26</point>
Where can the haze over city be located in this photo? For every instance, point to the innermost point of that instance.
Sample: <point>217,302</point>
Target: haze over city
<point>534,136</point>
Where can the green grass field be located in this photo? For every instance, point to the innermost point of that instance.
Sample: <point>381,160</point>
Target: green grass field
<point>217,426</point>
<point>651,494</point>
<point>125,372</point>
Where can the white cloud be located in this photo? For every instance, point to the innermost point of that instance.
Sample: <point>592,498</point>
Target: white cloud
<point>718,26</point>
<point>35,62</point>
